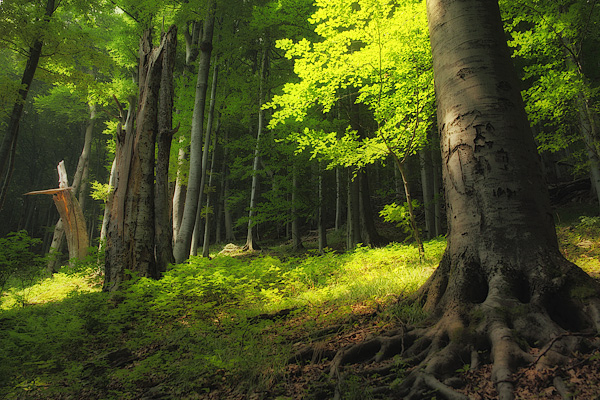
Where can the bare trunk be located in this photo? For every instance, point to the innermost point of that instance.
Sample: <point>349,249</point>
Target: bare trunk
<point>338,198</point>
<point>250,237</point>
<point>427,188</point>
<point>321,214</point>
<point>10,137</point>
<point>353,236</point>
<point>198,228</point>
<point>209,212</point>
<point>131,238</point>
<point>162,226</point>
<point>296,237</point>
<point>502,253</point>
<point>369,232</point>
<point>179,193</point>
<point>183,241</point>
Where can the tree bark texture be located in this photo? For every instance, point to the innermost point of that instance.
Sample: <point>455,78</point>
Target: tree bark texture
<point>162,228</point>
<point>205,153</point>
<point>183,241</point>
<point>209,197</point>
<point>251,243</point>
<point>131,238</point>
<point>502,280</point>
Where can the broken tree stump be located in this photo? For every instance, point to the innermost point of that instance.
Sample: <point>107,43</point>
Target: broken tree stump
<point>70,212</point>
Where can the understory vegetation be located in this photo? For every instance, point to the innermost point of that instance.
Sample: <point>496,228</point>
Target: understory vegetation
<point>227,327</point>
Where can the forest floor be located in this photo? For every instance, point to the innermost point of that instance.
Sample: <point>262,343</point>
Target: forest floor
<point>262,325</point>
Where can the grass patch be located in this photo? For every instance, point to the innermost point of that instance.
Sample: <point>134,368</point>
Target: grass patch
<point>228,318</point>
<point>226,325</point>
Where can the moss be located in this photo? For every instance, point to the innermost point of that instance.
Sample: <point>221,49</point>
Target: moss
<point>583,292</point>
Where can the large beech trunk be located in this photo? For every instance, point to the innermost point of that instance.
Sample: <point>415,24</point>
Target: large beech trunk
<point>502,256</point>
<point>502,290</point>
<point>131,240</point>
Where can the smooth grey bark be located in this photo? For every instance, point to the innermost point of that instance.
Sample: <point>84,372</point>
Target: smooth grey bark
<point>198,227</point>
<point>321,228</point>
<point>209,196</point>
<point>502,253</point>
<point>338,198</point>
<point>296,236</point>
<point>353,234</point>
<point>183,241</point>
<point>9,142</point>
<point>251,243</point>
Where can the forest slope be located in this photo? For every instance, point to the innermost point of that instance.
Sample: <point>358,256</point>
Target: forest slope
<point>260,325</point>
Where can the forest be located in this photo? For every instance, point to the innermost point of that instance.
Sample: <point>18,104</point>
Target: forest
<point>300,199</point>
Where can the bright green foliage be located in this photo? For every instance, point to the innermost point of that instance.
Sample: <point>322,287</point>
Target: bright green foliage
<point>18,260</point>
<point>398,213</point>
<point>203,322</point>
<point>376,51</point>
<point>556,41</point>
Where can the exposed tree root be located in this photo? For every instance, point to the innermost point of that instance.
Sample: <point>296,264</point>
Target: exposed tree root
<point>523,323</point>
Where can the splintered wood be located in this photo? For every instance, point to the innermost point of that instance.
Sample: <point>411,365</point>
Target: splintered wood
<point>70,213</point>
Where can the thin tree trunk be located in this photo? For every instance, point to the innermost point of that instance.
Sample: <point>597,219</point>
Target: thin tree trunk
<point>179,193</point>
<point>198,229</point>
<point>338,198</point>
<point>321,214</point>
<point>427,188</point>
<point>183,241</point>
<point>12,130</point>
<point>250,237</point>
<point>296,237</point>
<point>353,234</point>
<point>369,232</point>
<point>206,243</point>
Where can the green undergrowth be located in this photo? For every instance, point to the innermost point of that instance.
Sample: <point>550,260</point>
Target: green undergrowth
<point>229,322</point>
<point>580,243</point>
<point>205,322</point>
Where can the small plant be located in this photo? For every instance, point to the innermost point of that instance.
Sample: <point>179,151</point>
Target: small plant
<point>17,259</point>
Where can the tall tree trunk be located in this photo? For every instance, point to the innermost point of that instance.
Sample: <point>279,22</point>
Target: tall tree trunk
<point>12,130</point>
<point>296,237</point>
<point>221,198</point>
<point>131,238</point>
<point>338,198</point>
<point>502,278</point>
<point>183,241</point>
<point>198,228</point>
<point>321,228</point>
<point>206,243</point>
<point>353,233</point>
<point>250,237</point>
<point>427,188</point>
<point>369,232</point>
<point>162,223</point>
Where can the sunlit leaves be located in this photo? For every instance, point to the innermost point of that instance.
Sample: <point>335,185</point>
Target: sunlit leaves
<point>376,51</point>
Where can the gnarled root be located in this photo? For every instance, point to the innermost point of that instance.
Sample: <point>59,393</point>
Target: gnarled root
<point>533,324</point>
